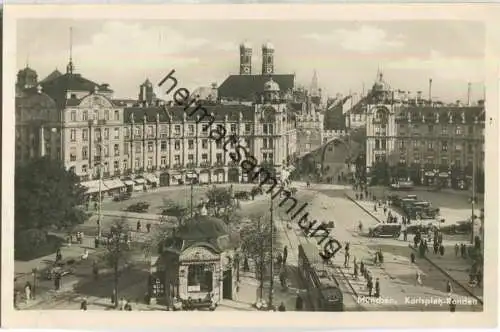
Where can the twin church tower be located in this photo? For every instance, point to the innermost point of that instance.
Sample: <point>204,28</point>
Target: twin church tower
<point>246,59</point>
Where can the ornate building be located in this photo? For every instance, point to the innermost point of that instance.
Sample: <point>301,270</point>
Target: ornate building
<point>429,142</point>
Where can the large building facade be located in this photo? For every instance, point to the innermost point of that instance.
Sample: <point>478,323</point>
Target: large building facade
<point>76,120</point>
<point>431,143</point>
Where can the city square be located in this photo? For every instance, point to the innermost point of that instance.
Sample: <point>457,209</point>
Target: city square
<point>230,196</point>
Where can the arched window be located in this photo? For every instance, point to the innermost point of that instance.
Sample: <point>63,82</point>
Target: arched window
<point>200,278</point>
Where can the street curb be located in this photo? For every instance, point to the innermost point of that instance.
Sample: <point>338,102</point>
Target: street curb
<point>426,258</point>
<point>449,276</point>
<point>362,207</point>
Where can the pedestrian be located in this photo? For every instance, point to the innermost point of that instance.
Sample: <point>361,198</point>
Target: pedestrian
<point>279,260</point>
<point>285,254</point>
<point>405,235</point>
<point>436,247</point>
<point>453,305</point>
<point>441,249</point>
<point>282,307</point>
<point>138,226</point>
<point>27,291</point>
<point>375,258</point>
<point>299,303</point>
<point>357,196</point>
<point>380,256</point>
<point>361,196</point>
<point>375,207</point>
<point>457,248</point>
<point>412,258</point>
<point>84,304</point>
<point>355,273</point>
<point>57,282</point>
<point>385,210</point>
<point>346,258</point>
<point>127,306</point>
<point>377,288</point>
<point>418,279</point>
<point>148,227</point>
<point>122,303</point>
<point>369,286</point>
<point>246,266</point>
<point>449,289</point>
<point>360,226</point>
<point>95,270</point>
<point>362,268</point>
<point>58,255</point>
<point>113,297</point>
<point>366,193</point>
<point>415,240</point>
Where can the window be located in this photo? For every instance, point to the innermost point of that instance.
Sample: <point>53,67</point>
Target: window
<point>402,145</point>
<point>106,151</point>
<point>163,131</point>
<point>98,133</point>
<point>270,143</point>
<point>218,144</point>
<point>458,130</point>
<point>458,163</point>
<point>137,132</point>
<point>444,146</point>
<point>106,115</point>
<point>430,146</point>
<point>117,133</point>
<point>125,164</point>
<point>270,157</point>
<point>116,149</point>
<point>204,144</point>
<point>415,144</point>
<point>125,149</point>
<point>138,147</point>
<point>150,162</point>
<point>85,134</point>
<point>85,115</point>
<point>218,157</point>
<point>116,165</point>
<point>126,132</point>
<point>163,160</point>
<point>444,130</point>
<point>233,128</point>
<point>106,133</point>
<point>117,115</point>
<point>200,278</point>
<point>84,168</point>
<point>177,145</point>
<point>177,159</point>
<point>190,158</point>
<point>264,156</point>
<point>137,163</point>
<point>85,152</point>
<point>73,116</point>
<point>264,143</point>
<point>163,146</point>
<point>73,135</point>
<point>72,154</point>
<point>377,144</point>
<point>190,144</point>
<point>150,131</point>
<point>204,157</point>
<point>150,146</point>
<point>191,129</point>
<point>264,128</point>
<point>384,144</point>
<point>204,129</point>
<point>270,129</point>
<point>248,128</point>
<point>177,130</point>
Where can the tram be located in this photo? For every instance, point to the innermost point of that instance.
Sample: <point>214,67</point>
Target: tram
<point>322,289</point>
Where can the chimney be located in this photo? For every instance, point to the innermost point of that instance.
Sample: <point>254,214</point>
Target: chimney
<point>430,91</point>
<point>468,93</point>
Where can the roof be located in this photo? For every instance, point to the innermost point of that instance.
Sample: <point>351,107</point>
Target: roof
<point>57,87</point>
<point>445,112</point>
<point>35,100</point>
<point>248,87</point>
<point>202,228</point>
<point>27,71</point>
<point>176,113</point>
<point>55,74</point>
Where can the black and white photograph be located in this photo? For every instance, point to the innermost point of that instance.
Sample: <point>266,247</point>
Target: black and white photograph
<point>250,165</point>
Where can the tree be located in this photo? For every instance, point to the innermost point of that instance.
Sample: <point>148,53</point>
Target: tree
<point>219,199</point>
<point>172,209</point>
<point>118,251</point>
<point>256,244</point>
<point>47,195</point>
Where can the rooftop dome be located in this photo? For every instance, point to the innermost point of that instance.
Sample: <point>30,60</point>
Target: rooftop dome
<point>27,71</point>
<point>268,46</point>
<point>203,228</point>
<point>271,85</point>
<point>246,44</point>
<point>380,84</point>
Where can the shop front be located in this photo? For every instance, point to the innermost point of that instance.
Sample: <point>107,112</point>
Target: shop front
<point>204,176</point>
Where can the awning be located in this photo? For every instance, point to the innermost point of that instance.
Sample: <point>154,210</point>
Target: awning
<point>93,186</point>
<point>140,181</point>
<point>151,178</point>
<point>128,182</point>
<point>114,184</point>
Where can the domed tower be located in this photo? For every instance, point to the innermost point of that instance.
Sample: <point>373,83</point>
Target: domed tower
<point>26,78</point>
<point>267,59</point>
<point>245,58</point>
<point>271,91</point>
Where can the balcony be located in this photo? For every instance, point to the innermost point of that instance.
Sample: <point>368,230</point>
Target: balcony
<point>205,164</point>
<point>191,164</point>
<point>219,163</point>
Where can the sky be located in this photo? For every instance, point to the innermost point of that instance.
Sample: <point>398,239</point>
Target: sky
<point>346,55</point>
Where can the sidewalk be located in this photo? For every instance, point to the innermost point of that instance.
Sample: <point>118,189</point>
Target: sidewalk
<point>455,268</point>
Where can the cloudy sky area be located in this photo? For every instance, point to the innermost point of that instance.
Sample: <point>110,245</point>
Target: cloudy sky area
<point>345,54</point>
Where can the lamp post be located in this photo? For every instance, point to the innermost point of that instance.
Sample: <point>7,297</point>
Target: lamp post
<point>99,211</point>
<point>34,272</point>
<point>271,233</point>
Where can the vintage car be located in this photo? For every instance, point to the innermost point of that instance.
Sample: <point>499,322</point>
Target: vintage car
<point>139,207</point>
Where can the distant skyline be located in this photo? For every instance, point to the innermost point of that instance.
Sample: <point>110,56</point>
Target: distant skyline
<point>345,55</point>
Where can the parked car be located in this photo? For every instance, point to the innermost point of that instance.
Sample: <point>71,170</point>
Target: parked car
<point>385,230</point>
<point>122,197</point>
<point>460,227</point>
<point>139,207</point>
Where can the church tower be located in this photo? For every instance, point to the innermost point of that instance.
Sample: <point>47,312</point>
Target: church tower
<point>267,59</point>
<point>315,90</point>
<point>245,58</point>
<point>70,67</point>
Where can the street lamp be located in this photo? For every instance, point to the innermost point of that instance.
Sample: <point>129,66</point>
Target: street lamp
<point>34,272</point>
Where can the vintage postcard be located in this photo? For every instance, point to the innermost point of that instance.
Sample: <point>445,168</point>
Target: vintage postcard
<point>337,162</point>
